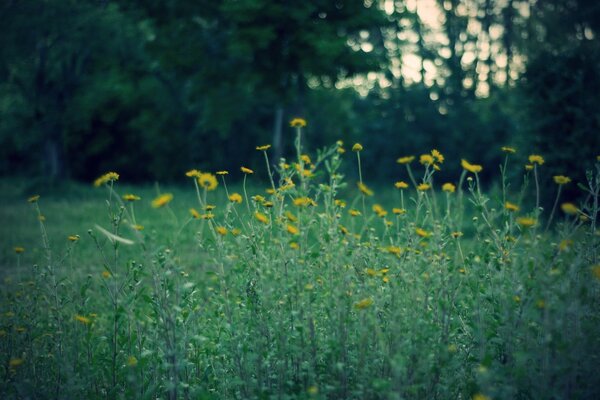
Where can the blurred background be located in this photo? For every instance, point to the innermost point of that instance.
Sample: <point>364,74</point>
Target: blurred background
<point>152,88</point>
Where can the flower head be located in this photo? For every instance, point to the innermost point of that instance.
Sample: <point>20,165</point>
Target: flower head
<point>526,222</point>
<point>426,159</point>
<point>73,238</point>
<point>195,214</point>
<point>507,149</point>
<point>364,189</point>
<point>511,206</point>
<point>221,230</point>
<point>193,173</point>
<point>364,303</point>
<point>263,148</point>
<point>260,217</point>
<point>108,177</point>
<point>423,187</point>
<point>208,181</point>
<point>401,185</point>
<point>19,249</point>
<point>405,160</point>
<point>235,198</point>
<point>357,147</point>
<point>536,159</point>
<point>222,173</point>
<point>33,199</point>
<point>246,170</point>
<point>448,187</point>
<point>162,200</point>
<point>293,230</point>
<point>561,179</point>
<point>422,232</point>
<point>298,123</point>
<point>437,156</point>
<point>83,320</point>
<point>474,168</point>
<point>569,208</point>
<point>131,197</point>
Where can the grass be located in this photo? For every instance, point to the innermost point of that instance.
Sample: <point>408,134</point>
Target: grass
<point>434,294</point>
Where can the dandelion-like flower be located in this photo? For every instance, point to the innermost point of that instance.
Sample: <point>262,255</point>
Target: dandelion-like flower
<point>426,159</point>
<point>448,187</point>
<point>235,198</point>
<point>193,173</point>
<point>222,173</point>
<point>422,232</point>
<point>437,156</point>
<point>423,187</point>
<point>83,320</point>
<point>304,202</point>
<point>247,171</point>
<point>357,147</point>
<point>19,249</point>
<point>569,208</point>
<point>354,213</point>
<point>208,181</point>
<point>536,159</point>
<point>474,168</point>
<point>398,211</point>
<point>526,222</point>
<point>364,303</point>
<point>195,214</point>
<point>131,197</point>
<point>405,160</point>
<point>263,148</point>
<point>293,230</point>
<point>298,123</point>
<point>511,206</point>
<point>33,199</point>
<point>508,150</point>
<point>561,179</point>
<point>73,238</point>
<point>108,177</point>
<point>401,184</point>
<point>221,230</point>
<point>364,189</point>
<point>260,217</point>
<point>162,200</point>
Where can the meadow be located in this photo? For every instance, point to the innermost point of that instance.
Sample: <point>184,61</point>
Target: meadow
<point>317,287</point>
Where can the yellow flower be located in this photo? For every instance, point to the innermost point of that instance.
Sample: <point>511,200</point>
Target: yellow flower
<point>378,209</point>
<point>19,249</point>
<point>298,123</point>
<point>357,147</point>
<point>162,200</point>
<point>304,201</point>
<point>292,229</point>
<point>343,229</point>
<point>364,303</point>
<point>456,234</point>
<point>536,159</point>
<point>507,149</point>
<point>305,158</point>
<point>246,170</point>
<point>132,361</point>
<point>108,177</point>
<point>528,167</point>
<point>340,203</point>
<point>34,199</point>
<point>195,213</point>
<point>209,207</point>
<point>511,206</point>
<point>208,181</point>
<point>82,319</point>
<point>526,222</point>
<point>235,231</point>
<point>15,362</point>
<point>291,217</point>
<point>401,184</point>
<point>263,148</point>
<point>474,168</point>
<point>235,198</point>
<point>423,187</point>
<point>569,208</point>
<point>561,179</point>
<point>437,156</point>
<point>208,215</point>
<point>73,238</point>
<point>354,213</point>
<point>222,172</point>
<point>422,232</point>
<point>294,245</point>
<point>131,197</point>
<point>398,211</point>
<point>405,160</point>
<point>394,250</point>
<point>105,274</point>
<point>193,173</point>
<point>364,189</point>
<point>260,217</point>
<point>221,230</point>
<point>448,187</point>
<point>138,227</point>
<point>426,159</point>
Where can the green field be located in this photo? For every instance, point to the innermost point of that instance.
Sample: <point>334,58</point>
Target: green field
<point>312,291</point>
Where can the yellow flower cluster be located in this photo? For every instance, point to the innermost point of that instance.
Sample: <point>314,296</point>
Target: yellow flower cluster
<point>108,177</point>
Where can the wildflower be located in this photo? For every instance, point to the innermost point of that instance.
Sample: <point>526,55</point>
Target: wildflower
<point>19,249</point>
<point>357,147</point>
<point>208,215</point>
<point>569,208</point>
<point>73,238</point>
<point>263,148</point>
<point>536,159</point>
<point>398,211</point>
<point>235,231</point>
<point>260,217</point>
<point>340,203</point>
<point>423,187</point>
<point>246,170</point>
<point>209,207</point>
<point>82,319</point>
<point>561,179</point>
<point>294,245</point>
<point>291,217</point>
<point>132,361</point>
<point>448,187</point>
<point>108,177</point>
<point>507,149</point>
<point>341,150</point>
<point>208,181</point>
<point>221,230</point>
<point>304,201</point>
<point>401,185</point>
<point>394,250</point>
<point>528,167</point>
<point>235,198</point>
<point>422,232</point>
<point>193,173</point>
<point>305,158</point>
<point>511,206</point>
<point>426,159</point>
<point>222,173</point>
<point>354,213</point>
<point>405,160</point>
<point>474,168</point>
<point>364,303</point>
<point>138,227</point>
<point>292,229</point>
<point>270,191</point>
<point>298,123</point>
<point>131,197</point>
<point>343,229</point>
<point>15,362</point>
<point>364,189</point>
<point>162,200</point>
<point>378,209</point>
<point>267,204</point>
<point>437,156</point>
<point>526,222</point>
<point>105,274</point>
<point>456,234</point>
<point>33,199</point>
